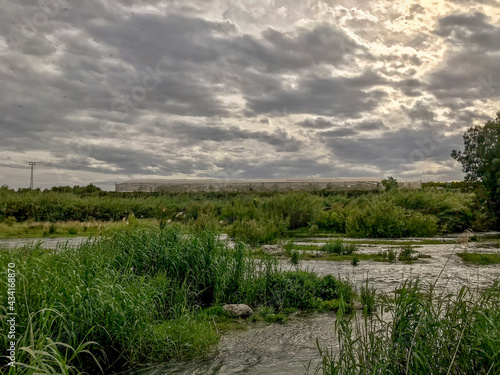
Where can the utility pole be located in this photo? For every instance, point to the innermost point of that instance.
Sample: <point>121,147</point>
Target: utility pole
<point>32,164</point>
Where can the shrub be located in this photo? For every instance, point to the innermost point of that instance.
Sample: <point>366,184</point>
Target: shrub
<point>72,230</point>
<point>390,255</point>
<point>390,184</point>
<point>339,247</point>
<point>262,231</point>
<point>452,209</point>
<point>333,247</point>
<point>10,221</point>
<point>52,228</point>
<point>407,253</point>
<point>299,209</point>
<point>386,220</point>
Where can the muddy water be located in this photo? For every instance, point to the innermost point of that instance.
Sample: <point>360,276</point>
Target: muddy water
<point>444,262</point>
<point>48,243</point>
<point>265,349</point>
<point>290,348</point>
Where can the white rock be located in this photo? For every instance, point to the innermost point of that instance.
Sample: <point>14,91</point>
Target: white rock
<point>273,249</point>
<point>238,310</point>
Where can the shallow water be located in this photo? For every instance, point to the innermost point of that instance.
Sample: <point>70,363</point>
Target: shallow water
<point>444,262</point>
<point>48,243</point>
<point>291,347</point>
<point>265,349</point>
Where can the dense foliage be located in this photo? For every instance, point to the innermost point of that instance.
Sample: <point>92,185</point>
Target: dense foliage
<point>481,161</point>
<point>426,333</point>
<point>261,218</point>
<point>140,294</point>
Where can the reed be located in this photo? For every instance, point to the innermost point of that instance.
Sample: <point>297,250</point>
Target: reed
<point>426,332</point>
<point>140,294</point>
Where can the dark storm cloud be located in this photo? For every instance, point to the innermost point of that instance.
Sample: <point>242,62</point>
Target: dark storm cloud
<point>471,70</point>
<point>395,149</point>
<point>340,129</point>
<point>189,135</point>
<point>411,87</point>
<point>339,96</point>
<point>343,132</point>
<point>85,85</point>
<point>470,30</point>
<point>128,161</point>
<point>279,51</point>
<point>317,123</point>
<point>421,111</point>
<point>296,167</point>
<point>370,125</point>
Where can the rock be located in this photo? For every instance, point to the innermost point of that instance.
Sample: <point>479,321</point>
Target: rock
<point>273,249</point>
<point>238,310</point>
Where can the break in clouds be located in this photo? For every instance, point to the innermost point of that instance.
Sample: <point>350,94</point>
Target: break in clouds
<point>111,90</point>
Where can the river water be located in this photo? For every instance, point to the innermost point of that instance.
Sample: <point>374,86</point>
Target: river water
<point>290,348</point>
<point>48,243</point>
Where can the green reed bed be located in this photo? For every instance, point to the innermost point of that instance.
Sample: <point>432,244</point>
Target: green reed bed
<point>140,295</point>
<point>259,218</point>
<point>480,258</point>
<point>420,331</point>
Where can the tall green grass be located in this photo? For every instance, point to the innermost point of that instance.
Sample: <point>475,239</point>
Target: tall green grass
<point>136,295</point>
<point>425,333</point>
<point>396,213</point>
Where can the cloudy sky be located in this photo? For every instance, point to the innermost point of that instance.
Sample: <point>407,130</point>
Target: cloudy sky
<point>104,91</point>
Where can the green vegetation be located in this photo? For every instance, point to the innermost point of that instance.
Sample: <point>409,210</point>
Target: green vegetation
<point>294,257</point>
<point>478,258</point>
<point>338,247</point>
<point>390,183</point>
<point>481,164</point>
<point>143,294</point>
<point>427,333</point>
<point>404,253</point>
<point>407,254</point>
<point>28,229</point>
<point>257,218</point>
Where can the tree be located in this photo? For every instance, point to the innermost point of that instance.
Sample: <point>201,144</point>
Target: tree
<point>390,184</point>
<point>481,160</point>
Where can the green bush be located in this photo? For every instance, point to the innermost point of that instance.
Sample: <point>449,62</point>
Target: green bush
<point>387,214</point>
<point>304,290</point>
<point>72,230</point>
<point>261,231</point>
<point>407,253</point>
<point>299,209</point>
<point>390,255</point>
<point>339,247</point>
<point>452,209</point>
<point>385,220</point>
<point>10,221</point>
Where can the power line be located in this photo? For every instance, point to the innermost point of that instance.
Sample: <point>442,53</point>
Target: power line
<point>32,164</point>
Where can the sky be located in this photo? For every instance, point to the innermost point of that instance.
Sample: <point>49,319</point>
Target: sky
<point>103,91</point>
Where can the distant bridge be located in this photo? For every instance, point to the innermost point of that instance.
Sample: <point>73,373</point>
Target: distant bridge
<point>288,184</point>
